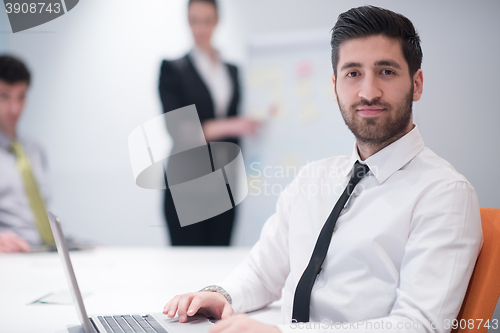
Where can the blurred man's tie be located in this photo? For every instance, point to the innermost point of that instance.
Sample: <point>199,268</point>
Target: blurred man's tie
<point>34,197</point>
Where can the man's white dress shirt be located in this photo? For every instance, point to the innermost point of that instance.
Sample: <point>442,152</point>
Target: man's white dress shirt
<point>216,77</point>
<point>403,249</point>
<point>15,210</point>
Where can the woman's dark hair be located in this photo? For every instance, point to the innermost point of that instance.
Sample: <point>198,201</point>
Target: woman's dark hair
<point>213,2</point>
<point>13,70</point>
<point>370,20</point>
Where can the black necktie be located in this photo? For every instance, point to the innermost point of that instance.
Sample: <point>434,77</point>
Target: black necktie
<point>302,298</point>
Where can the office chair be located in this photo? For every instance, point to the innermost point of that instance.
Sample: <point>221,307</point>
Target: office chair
<point>484,286</point>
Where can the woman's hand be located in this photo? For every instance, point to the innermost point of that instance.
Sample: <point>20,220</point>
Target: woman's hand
<point>229,127</point>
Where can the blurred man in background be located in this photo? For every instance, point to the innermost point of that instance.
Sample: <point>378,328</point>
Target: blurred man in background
<point>23,187</point>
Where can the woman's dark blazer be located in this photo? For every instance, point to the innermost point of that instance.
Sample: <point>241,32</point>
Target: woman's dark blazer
<point>181,85</point>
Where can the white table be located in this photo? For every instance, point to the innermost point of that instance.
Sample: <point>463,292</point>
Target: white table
<point>117,280</point>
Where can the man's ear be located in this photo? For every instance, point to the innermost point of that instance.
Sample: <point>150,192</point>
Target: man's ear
<point>418,85</point>
<point>334,89</point>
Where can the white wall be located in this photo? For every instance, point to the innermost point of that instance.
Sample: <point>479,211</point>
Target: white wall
<point>5,31</point>
<point>95,79</point>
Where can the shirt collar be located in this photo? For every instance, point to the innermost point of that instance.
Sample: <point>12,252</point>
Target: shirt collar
<point>200,55</point>
<point>390,159</point>
<point>5,141</point>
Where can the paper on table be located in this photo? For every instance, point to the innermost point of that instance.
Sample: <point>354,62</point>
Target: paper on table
<point>61,297</point>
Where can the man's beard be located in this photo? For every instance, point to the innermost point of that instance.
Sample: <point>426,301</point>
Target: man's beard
<point>375,131</point>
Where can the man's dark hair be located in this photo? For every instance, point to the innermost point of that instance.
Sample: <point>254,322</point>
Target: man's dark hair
<point>13,70</point>
<point>368,21</point>
<point>213,2</point>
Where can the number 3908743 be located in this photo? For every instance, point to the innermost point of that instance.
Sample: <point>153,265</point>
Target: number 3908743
<point>471,323</point>
<point>32,8</point>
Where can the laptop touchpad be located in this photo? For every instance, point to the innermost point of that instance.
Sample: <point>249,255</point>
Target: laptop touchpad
<point>194,324</point>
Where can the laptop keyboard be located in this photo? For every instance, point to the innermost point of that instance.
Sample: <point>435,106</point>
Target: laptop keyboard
<point>131,324</point>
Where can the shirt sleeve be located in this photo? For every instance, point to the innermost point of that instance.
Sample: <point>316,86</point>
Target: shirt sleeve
<point>443,244</point>
<point>258,281</point>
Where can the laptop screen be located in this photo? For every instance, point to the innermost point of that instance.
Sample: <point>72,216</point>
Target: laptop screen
<point>62,248</point>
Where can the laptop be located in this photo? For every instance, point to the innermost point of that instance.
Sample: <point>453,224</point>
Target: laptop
<point>121,323</point>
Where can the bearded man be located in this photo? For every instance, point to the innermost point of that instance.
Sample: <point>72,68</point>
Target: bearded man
<point>392,252</point>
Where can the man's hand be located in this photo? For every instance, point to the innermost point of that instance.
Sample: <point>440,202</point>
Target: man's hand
<point>207,303</point>
<point>10,242</point>
<point>242,324</point>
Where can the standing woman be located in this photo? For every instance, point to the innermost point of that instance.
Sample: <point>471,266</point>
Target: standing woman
<point>201,78</point>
